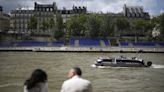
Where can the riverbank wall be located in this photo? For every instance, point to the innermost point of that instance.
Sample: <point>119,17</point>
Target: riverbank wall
<point>87,49</point>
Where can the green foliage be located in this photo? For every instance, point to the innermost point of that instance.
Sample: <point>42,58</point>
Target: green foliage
<point>142,26</point>
<point>59,21</point>
<point>93,26</point>
<point>107,27</point>
<point>56,26</point>
<point>32,24</point>
<point>122,23</point>
<point>161,22</point>
<point>121,26</point>
<point>59,27</point>
<point>76,25</point>
<point>138,24</point>
<point>51,23</point>
<point>90,26</point>
<point>45,25</point>
<point>58,34</point>
<point>154,21</point>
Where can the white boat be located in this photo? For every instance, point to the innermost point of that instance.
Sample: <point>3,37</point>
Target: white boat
<point>122,62</point>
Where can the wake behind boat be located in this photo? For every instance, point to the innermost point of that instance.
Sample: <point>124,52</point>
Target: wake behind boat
<point>122,62</point>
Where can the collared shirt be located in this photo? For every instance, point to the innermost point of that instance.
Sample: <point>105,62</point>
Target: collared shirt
<point>76,84</point>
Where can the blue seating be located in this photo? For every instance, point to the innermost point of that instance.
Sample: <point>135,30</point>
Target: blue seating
<point>31,43</point>
<point>89,42</point>
<point>124,43</point>
<point>161,43</point>
<point>57,43</point>
<point>106,42</point>
<point>72,41</point>
<point>144,44</point>
<point>5,44</point>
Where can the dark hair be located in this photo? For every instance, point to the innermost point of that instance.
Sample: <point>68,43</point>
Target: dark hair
<point>37,76</point>
<point>78,71</point>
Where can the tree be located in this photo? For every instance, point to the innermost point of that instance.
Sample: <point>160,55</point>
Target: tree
<point>71,26</point>
<point>77,25</point>
<point>161,22</point>
<point>45,25</point>
<point>52,26</point>
<point>58,34</point>
<point>122,24</point>
<point>107,26</point>
<point>140,27</point>
<point>155,21</point>
<point>51,23</point>
<point>59,21</point>
<point>32,24</point>
<point>59,28</point>
<point>93,26</point>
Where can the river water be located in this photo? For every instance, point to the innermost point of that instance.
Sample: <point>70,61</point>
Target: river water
<point>16,67</point>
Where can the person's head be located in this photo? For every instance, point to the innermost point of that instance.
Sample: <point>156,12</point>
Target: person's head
<point>38,76</point>
<point>74,71</point>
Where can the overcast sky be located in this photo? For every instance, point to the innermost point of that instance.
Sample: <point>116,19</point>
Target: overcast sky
<point>154,7</point>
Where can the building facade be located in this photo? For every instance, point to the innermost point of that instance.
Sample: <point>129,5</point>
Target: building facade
<point>19,20</point>
<point>4,20</point>
<point>66,14</point>
<point>20,17</point>
<point>43,12</point>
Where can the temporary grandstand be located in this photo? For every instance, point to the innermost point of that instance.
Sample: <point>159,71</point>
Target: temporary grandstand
<point>80,42</point>
<point>84,42</point>
<point>141,44</point>
<point>30,43</point>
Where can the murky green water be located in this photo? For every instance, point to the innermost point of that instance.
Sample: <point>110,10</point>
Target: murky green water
<point>16,67</point>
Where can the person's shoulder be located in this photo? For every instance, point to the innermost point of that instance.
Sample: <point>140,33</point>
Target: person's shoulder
<point>67,81</point>
<point>72,80</point>
<point>86,81</point>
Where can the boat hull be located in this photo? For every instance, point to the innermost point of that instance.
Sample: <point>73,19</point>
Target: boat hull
<point>122,63</point>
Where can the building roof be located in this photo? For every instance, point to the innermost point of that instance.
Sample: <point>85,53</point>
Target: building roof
<point>22,11</point>
<point>135,12</point>
<point>45,5</point>
<point>134,9</point>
